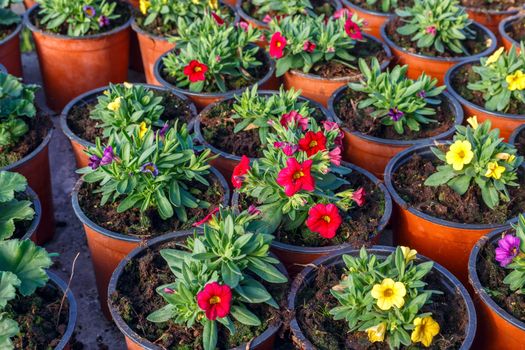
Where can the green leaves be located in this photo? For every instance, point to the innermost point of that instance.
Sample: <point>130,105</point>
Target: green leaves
<point>8,328</point>
<point>8,284</point>
<point>12,209</point>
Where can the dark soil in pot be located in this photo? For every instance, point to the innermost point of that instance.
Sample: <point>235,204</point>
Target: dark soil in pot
<point>465,75</point>
<point>377,5</point>
<point>490,5</point>
<point>89,129</point>
<point>135,298</point>
<point>520,142</point>
<point>6,30</point>
<point>444,203</point>
<point>320,7</point>
<point>356,119</point>
<point>314,302</point>
<point>516,29</point>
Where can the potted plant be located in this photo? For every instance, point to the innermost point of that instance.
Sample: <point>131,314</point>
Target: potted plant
<point>374,12</point>
<point>10,28</point>
<point>317,54</point>
<point>380,297</point>
<point>238,125</point>
<point>492,88</point>
<point>386,113</point>
<point>496,273</point>
<point>432,36</point>
<point>24,140</point>
<point>140,184</point>
<point>512,32</point>
<point>222,289</point>
<point>156,22</point>
<point>450,194</point>
<point>90,38</point>
<point>308,199</point>
<point>491,13</point>
<point>213,60</point>
<point>114,108</point>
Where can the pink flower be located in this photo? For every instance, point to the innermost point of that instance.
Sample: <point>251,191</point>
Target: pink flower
<point>431,30</point>
<point>267,19</point>
<point>288,148</point>
<point>344,12</point>
<point>309,46</point>
<point>353,30</point>
<point>215,300</point>
<point>243,25</point>
<point>508,248</point>
<point>294,118</point>
<point>359,196</point>
<point>296,177</point>
<point>335,156</point>
<point>277,45</point>
<point>253,210</point>
<point>207,218</point>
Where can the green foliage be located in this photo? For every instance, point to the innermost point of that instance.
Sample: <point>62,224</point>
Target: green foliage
<point>8,329</point>
<point>438,24</point>
<point>7,16</point>
<point>386,5</point>
<point>282,7</point>
<point>516,278</point>
<point>12,209</point>
<point>391,93</point>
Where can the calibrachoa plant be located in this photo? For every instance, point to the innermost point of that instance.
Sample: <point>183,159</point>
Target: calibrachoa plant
<point>212,56</point>
<point>13,209</point>
<point>385,5</point>
<point>501,78</point>
<point>510,254</point>
<point>7,16</point>
<point>300,42</point>
<point>219,276</point>
<point>266,9</point>
<point>478,157</point>
<point>438,24</point>
<point>80,17</point>
<point>385,298</point>
<point>397,100</point>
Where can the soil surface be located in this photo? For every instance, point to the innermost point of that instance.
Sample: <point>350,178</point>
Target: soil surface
<point>356,119</point>
<point>320,7</point>
<point>377,5</point>
<point>516,29</point>
<point>520,143</point>
<point>314,302</point>
<point>6,30</point>
<point>500,5</point>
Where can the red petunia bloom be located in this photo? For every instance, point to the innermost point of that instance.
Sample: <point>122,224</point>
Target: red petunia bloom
<point>359,196</point>
<point>309,46</point>
<point>207,218</point>
<point>294,117</point>
<point>215,300</point>
<point>296,177</point>
<point>195,71</point>
<point>313,142</point>
<point>277,45</point>
<point>324,219</point>
<point>217,18</point>
<point>353,30</point>
<point>239,171</point>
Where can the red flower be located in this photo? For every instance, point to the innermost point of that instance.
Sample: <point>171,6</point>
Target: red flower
<point>217,18</point>
<point>309,46</point>
<point>296,176</point>
<point>313,142</point>
<point>294,117</point>
<point>324,219</point>
<point>215,300</point>
<point>277,45</point>
<point>353,30</point>
<point>359,196</point>
<point>207,218</point>
<point>195,71</point>
<point>239,171</point>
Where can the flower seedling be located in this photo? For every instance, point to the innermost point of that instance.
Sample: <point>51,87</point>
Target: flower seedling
<point>13,209</point>
<point>384,5</point>
<point>268,9</point>
<point>7,16</point>
<point>510,254</point>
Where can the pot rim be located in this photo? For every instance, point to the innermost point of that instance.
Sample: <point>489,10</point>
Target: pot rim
<point>476,283</point>
<point>513,137</point>
<point>201,139</point>
<point>33,154</point>
<point>37,207</point>
<point>450,88</point>
<point>126,329</point>
<point>72,310</point>
<point>33,28</point>
<point>502,26</point>
<point>447,97</point>
<point>14,33</point>
<point>403,157</point>
<point>97,92</point>
<point>491,12</point>
<point>385,218</point>
<point>385,15</point>
<point>445,274</point>
<point>129,238</point>
<point>485,52</point>
<point>3,69</point>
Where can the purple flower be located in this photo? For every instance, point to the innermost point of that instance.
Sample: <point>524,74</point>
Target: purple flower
<point>508,248</point>
<point>422,94</point>
<point>103,21</point>
<point>253,210</point>
<point>395,114</point>
<point>164,130</point>
<point>288,148</point>
<point>431,30</point>
<point>150,168</point>
<point>108,157</point>
<point>169,291</point>
<point>89,11</point>
<point>94,162</point>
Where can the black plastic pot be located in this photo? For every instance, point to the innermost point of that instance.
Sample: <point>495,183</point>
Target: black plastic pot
<point>513,139</point>
<point>307,276</point>
<point>3,69</point>
<point>64,342</point>
<point>508,41</point>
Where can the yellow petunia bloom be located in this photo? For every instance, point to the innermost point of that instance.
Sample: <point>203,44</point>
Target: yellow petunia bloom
<point>128,85</point>
<point>115,105</point>
<point>459,154</point>
<point>516,81</point>
<point>144,6</point>
<point>143,129</point>
<point>376,333</point>
<point>494,170</point>
<point>389,293</point>
<point>473,121</point>
<point>494,57</point>
<point>426,329</point>
<point>408,254</point>
<point>214,4</point>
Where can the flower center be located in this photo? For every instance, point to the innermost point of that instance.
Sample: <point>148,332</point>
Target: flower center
<point>327,218</point>
<point>297,175</point>
<point>388,292</point>
<point>514,251</point>
<point>215,300</point>
<point>313,144</point>
<point>150,168</point>
<point>197,69</point>
<point>278,44</point>
<point>461,154</point>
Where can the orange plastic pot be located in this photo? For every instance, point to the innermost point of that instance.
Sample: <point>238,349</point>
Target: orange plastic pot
<point>449,243</point>
<point>490,19</point>
<point>71,66</point>
<point>435,67</point>
<point>497,328</point>
<point>506,39</point>
<point>232,3</point>
<point>10,55</point>
<point>320,89</point>
<point>107,248</point>
<point>505,122</point>
<point>374,153</point>
<point>35,168</point>
<point>374,19</point>
<point>29,3</point>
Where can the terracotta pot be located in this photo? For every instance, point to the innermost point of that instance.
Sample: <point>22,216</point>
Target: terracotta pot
<point>265,341</point>
<point>507,41</point>
<point>134,3</point>
<point>79,145</point>
<point>97,59</point>
<point>10,55</point>
<point>449,243</point>
<point>203,99</point>
<point>29,3</point>
<point>225,162</point>
<point>490,19</point>
<point>307,276</point>
<point>108,248</point>
<point>320,89</point>
<point>32,229</point>
<point>374,153</point>
<point>295,257</point>
<point>498,329</point>
<point>374,19</point>
<point>435,67</point>
<point>35,168</point>
<point>505,122</point>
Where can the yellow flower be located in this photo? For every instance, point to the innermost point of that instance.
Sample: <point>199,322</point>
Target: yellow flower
<point>425,330</point>
<point>473,121</point>
<point>459,154</point>
<point>503,156</point>
<point>494,57</point>
<point>494,170</point>
<point>408,254</point>
<point>376,333</point>
<point>389,293</point>
<point>516,81</point>
<point>127,85</point>
<point>115,105</point>
<point>143,129</point>
<point>106,92</point>
<point>214,4</point>
<point>196,2</point>
<point>144,6</point>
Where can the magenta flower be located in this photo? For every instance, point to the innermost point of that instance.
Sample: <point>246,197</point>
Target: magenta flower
<point>169,291</point>
<point>103,21</point>
<point>422,94</point>
<point>344,12</point>
<point>309,46</point>
<point>267,19</point>
<point>164,130</point>
<point>108,157</point>
<point>335,156</point>
<point>288,148</point>
<point>89,11</point>
<point>94,162</point>
<point>243,25</point>
<point>508,248</point>
<point>150,168</point>
<point>253,210</point>
<point>395,114</point>
<point>431,30</point>
<point>294,118</point>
